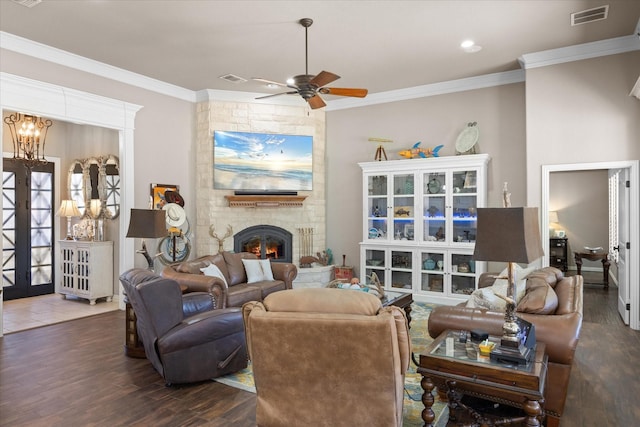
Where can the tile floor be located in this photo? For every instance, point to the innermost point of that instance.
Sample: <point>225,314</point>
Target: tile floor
<point>28,313</point>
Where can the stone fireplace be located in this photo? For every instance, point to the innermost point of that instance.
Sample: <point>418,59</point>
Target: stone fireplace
<point>213,206</point>
<point>265,241</point>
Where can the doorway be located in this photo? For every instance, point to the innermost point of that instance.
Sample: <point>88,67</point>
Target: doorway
<point>632,168</point>
<point>27,229</point>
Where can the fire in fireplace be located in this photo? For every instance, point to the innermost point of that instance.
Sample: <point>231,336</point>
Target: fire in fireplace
<point>266,241</point>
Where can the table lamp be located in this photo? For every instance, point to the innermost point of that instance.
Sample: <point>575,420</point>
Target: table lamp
<point>68,208</point>
<point>147,224</point>
<point>509,235</point>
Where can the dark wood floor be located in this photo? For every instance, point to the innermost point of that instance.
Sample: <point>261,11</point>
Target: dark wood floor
<point>75,374</point>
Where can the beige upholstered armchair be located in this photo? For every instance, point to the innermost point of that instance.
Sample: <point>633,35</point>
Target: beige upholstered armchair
<point>327,357</point>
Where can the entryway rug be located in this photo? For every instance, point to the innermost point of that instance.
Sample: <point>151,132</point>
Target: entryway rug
<point>412,413</point>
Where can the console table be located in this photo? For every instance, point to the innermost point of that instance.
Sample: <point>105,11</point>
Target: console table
<point>594,256</point>
<point>454,366</point>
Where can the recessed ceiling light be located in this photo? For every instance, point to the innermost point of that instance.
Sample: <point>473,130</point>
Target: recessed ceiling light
<point>470,46</point>
<point>272,86</point>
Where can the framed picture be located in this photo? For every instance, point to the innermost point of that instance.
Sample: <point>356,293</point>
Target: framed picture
<point>262,162</point>
<point>157,194</point>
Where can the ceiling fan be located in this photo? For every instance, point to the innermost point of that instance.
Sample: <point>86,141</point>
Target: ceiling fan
<point>309,86</point>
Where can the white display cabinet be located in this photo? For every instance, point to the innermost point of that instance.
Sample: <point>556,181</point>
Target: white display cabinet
<point>419,210</point>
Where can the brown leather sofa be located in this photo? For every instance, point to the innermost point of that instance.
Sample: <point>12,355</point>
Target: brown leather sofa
<point>559,329</point>
<point>185,339</point>
<point>341,362</point>
<point>236,291</point>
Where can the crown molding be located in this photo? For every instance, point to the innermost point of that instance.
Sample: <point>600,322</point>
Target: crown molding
<point>531,60</point>
<point>57,56</point>
<point>441,88</point>
<point>579,52</point>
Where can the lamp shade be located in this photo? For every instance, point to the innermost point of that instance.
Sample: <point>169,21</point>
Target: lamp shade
<point>508,235</point>
<point>553,217</point>
<point>68,208</point>
<point>147,224</point>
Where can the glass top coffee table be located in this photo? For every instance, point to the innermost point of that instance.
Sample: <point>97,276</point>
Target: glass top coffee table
<point>459,369</point>
<point>399,299</point>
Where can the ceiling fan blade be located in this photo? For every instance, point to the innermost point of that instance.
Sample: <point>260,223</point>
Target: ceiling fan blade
<point>324,78</point>
<point>316,102</point>
<point>343,91</point>
<point>271,82</point>
<point>278,94</point>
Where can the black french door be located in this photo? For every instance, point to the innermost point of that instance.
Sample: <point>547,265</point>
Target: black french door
<point>27,230</point>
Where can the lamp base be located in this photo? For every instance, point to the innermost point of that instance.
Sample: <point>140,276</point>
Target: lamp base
<point>518,356</point>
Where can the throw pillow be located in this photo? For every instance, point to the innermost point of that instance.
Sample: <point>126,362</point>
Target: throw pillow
<point>490,297</point>
<point>212,270</point>
<point>539,299</point>
<point>257,270</point>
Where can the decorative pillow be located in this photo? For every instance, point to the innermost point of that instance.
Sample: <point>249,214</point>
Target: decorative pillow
<point>257,270</point>
<point>489,297</point>
<point>539,299</point>
<point>212,270</point>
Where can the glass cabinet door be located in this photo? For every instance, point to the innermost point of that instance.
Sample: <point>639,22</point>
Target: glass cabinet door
<point>403,207</point>
<point>375,263</point>
<point>377,207</point>
<point>434,207</point>
<point>464,204</point>
<point>463,278</point>
<point>432,271</point>
<point>401,270</point>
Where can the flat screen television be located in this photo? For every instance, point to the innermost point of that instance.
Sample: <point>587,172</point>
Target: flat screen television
<point>262,162</point>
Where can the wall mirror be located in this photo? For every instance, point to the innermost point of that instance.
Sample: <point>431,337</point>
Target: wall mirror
<point>94,184</point>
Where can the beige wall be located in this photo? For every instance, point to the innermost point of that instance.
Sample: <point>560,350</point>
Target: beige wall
<point>435,120</point>
<point>581,112</point>
<point>581,199</point>
<point>164,129</point>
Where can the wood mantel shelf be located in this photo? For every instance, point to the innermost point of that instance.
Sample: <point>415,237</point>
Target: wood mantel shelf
<point>262,201</point>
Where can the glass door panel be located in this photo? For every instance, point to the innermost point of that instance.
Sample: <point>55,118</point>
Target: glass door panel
<point>403,207</point>
<point>401,270</point>
<point>377,202</point>
<point>432,271</point>
<point>463,279</point>
<point>465,218</point>
<point>375,263</point>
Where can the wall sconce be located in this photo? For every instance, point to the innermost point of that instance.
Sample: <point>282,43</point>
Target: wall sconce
<point>68,208</point>
<point>28,134</point>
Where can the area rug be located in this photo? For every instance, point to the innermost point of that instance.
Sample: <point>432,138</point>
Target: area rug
<point>412,412</point>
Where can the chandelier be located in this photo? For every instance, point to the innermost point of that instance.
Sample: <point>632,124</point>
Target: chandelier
<point>28,134</point>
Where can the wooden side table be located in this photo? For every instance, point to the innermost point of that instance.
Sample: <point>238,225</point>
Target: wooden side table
<point>594,256</point>
<point>455,367</point>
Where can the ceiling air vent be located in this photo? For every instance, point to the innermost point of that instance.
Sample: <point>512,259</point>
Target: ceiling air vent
<point>28,3</point>
<point>590,15</point>
<point>233,78</point>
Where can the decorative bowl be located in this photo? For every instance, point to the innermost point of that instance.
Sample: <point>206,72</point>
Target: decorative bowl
<point>375,262</point>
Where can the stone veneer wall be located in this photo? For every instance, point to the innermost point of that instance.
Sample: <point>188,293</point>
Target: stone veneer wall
<point>211,206</point>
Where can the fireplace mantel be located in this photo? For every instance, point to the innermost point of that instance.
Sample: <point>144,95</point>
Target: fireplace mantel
<point>264,201</point>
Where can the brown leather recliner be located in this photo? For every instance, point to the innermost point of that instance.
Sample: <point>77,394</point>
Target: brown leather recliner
<point>185,340</point>
<point>558,329</point>
<point>327,357</point>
